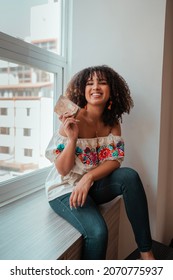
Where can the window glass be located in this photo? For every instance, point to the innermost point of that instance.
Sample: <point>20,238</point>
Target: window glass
<point>4,130</point>
<point>3,111</point>
<point>35,21</point>
<point>27,131</point>
<point>28,152</point>
<point>4,149</point>
<point>26,118</point>
<point>33,68</point>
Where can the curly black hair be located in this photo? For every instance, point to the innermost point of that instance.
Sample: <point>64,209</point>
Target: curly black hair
<point>119,92</point>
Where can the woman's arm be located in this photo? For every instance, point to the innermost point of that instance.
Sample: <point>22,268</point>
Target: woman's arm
<point>102,170</point>
<point>66,160</point>
<point>80,192</point>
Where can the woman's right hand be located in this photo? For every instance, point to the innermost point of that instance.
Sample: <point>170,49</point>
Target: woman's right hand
<point>70,126</point>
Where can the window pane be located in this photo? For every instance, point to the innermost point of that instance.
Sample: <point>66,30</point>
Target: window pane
<point>3,111</point>
<point>35,21</point>
<point>26,118</point>
<point>4,130</point>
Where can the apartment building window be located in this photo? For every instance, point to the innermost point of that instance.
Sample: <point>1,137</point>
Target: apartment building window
<point>5,130</point>
<point>33,66</point>
<point>4,150</point>
<point>28,110</point>
<point>3,111</point>
<point>28,152</point>
<point>26,132</point>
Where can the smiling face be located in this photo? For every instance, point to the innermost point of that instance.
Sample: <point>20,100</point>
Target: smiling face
<point>97,91</point>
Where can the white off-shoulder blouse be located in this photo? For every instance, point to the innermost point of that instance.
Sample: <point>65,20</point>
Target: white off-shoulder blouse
<point>90,152</point>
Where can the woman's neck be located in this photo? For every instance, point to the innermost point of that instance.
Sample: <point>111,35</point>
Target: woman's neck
<point>94,113</point>
<point>91,124</point>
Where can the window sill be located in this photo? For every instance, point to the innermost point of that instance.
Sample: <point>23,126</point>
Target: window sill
<point>32,231</point>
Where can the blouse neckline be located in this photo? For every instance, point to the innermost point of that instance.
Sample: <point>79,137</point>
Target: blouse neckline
<point>93,138</point>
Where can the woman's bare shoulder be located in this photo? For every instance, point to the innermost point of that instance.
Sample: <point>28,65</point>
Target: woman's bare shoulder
<point>116,129</point>
<point>61,131</point>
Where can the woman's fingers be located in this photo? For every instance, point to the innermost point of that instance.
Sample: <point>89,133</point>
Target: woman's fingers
<point>72,200</point>
<point>69,121</point>
<point>77,199</point>
<point>83,199</point>
<point>64,116</point>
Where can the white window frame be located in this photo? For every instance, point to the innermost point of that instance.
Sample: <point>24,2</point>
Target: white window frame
<point>18,51</point>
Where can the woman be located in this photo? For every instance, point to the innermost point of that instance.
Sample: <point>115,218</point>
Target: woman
<point>87,152</point>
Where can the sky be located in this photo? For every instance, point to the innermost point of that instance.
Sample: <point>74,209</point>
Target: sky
<point>15,16</point>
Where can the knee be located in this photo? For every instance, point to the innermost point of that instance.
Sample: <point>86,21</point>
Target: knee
<point>131,174</point>
<point>99,233</point>
<point>132,178</point>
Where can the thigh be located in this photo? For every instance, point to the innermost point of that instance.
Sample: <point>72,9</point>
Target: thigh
<point>111,186</point>
<point>82,217</point>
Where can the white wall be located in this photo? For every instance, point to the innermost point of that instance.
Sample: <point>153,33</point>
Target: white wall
<point>128,36</point>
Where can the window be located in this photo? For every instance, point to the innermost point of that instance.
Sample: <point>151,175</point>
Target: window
<point>5,130</point>
<point>38,22</point>
<point>28,110</point>
<point>32,75</point>
<point>4,150</point>
<point>28,152</point>
<point>26,132</point>
<point>3,111</point>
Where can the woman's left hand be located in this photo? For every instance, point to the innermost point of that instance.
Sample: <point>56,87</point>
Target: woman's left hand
<point>79,194</point>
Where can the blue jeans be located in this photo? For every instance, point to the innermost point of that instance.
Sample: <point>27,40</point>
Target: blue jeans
<point>89,221</point>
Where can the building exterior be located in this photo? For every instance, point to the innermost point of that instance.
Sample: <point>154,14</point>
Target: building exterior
<point>23,130</point>
<point>26,100</point>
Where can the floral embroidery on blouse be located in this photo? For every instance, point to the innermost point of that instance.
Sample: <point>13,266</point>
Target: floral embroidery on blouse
<point>87,156</point>
<point>111,151</point>
<point>59,149</point>
<point>92,156</point>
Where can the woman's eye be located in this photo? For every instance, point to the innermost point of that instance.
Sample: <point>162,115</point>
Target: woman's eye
<point>103,82</point>
<point>100,82</point>
<point>90,83</point>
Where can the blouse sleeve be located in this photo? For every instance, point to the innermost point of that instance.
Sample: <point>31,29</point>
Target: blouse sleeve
<point>55,147</point>
<point>119,150</point>
<point>113,150</point>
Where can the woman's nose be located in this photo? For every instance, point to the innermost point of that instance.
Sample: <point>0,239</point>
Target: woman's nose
<point>96,85</point>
